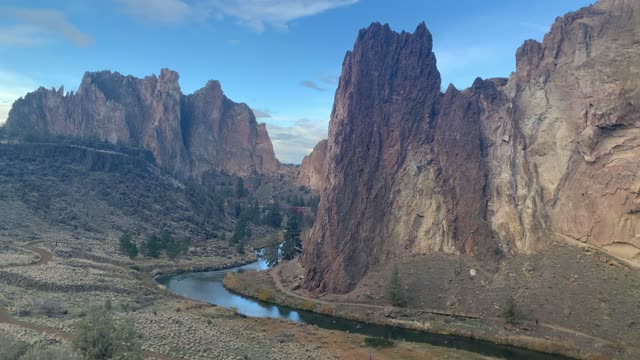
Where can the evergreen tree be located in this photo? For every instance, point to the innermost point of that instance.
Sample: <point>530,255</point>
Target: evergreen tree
<point>292,244</point>
<point>237,209</point>
<point>273,217</point>
<point>173,249</point>
<point>251,213</point>
<point>271,253</point>
<point>395,290</point>
<point>166,240</point>
<point>240,246</point>
<point>152,246</point>
<point>127,246</point>
<point>240,231</point>
<point>241,191</point>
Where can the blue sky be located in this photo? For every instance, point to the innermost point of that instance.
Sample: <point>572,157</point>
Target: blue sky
<point>282,57</point>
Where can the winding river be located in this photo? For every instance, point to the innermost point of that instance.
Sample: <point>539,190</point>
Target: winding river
<point>207,287</point>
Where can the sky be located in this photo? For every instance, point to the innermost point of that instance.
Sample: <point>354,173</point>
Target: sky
<point>281,57</point>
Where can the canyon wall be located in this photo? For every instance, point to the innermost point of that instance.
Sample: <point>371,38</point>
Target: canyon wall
<point>501,168</point>
<point>187,134</point>
<point>312,168</point>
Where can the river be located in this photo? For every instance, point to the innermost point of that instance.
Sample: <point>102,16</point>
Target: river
<point>208,287</point>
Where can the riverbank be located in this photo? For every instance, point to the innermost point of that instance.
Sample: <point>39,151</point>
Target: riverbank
<point>41,303</point>
<point>265,286</point>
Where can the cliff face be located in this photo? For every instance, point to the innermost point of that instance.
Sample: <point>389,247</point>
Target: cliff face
<point>312,168</point>
<point>500,168</point>
<point>187,135</point>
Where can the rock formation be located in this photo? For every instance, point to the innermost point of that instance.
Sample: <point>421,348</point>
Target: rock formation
<point>187,134</point>
<point>312,167</point>
<point>498,169</point>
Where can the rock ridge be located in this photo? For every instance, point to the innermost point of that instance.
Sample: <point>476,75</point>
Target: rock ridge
<point>187,134</point>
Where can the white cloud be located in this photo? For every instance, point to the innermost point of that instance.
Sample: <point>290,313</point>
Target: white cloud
<point>21,35</point>
<point>311,85</point>
<point>261,114</point>
<point>257,14</point>
<point>294,141</point>
<point>159,11</point>
<point>34,26</point>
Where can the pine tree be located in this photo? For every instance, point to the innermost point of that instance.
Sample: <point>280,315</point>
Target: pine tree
<point>241,191</point>
<point>292,244</point>
<point>273,217</point>
<point>127,246</point>
<point>271,253</point>
<point>397,295</point>
<point>152,246</point>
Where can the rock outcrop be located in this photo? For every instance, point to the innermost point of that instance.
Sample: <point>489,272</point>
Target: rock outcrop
<point>312,168</point>
<point>187,134</point>
<point>498,169</point>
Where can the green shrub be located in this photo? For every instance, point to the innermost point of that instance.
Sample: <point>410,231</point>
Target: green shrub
<point>11,349</point>
<point>510,311</point>
<point>99,337</point>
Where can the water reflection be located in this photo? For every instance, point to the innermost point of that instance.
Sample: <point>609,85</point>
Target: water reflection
<point>208,287</point>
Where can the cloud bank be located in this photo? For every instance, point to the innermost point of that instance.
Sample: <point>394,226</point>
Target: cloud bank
<point>255,14</point>
<point>294,142</point>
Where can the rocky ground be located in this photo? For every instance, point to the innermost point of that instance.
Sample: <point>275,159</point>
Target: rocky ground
<point>42,299</point>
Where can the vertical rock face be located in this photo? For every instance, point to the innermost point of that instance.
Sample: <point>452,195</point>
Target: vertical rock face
<point>187,135</point>
<point>497,169</point>
<point>312,168</point>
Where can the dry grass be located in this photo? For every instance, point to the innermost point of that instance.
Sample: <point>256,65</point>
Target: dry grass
<point>264,295</point>
<point>309,306</point>
<point>326,309</point>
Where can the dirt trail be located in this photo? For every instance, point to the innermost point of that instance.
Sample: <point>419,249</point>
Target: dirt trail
<point>276,278</point>
<point>6,318</point>
<point>45,255</point>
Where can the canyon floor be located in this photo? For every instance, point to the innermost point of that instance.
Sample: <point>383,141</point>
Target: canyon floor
<point>456,295</point>
<point>47,285</point>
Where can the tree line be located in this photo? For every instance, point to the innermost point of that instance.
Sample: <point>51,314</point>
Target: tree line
<point>153,246</point>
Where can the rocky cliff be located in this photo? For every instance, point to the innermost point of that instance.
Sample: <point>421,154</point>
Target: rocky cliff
<point>495,170</point>
<point>187,134</point>
<point>312,167</point>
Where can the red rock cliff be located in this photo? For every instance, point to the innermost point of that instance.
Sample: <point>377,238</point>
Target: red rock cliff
<point>495,170</point>
<point>187,135</point>
<point>312,168</point>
